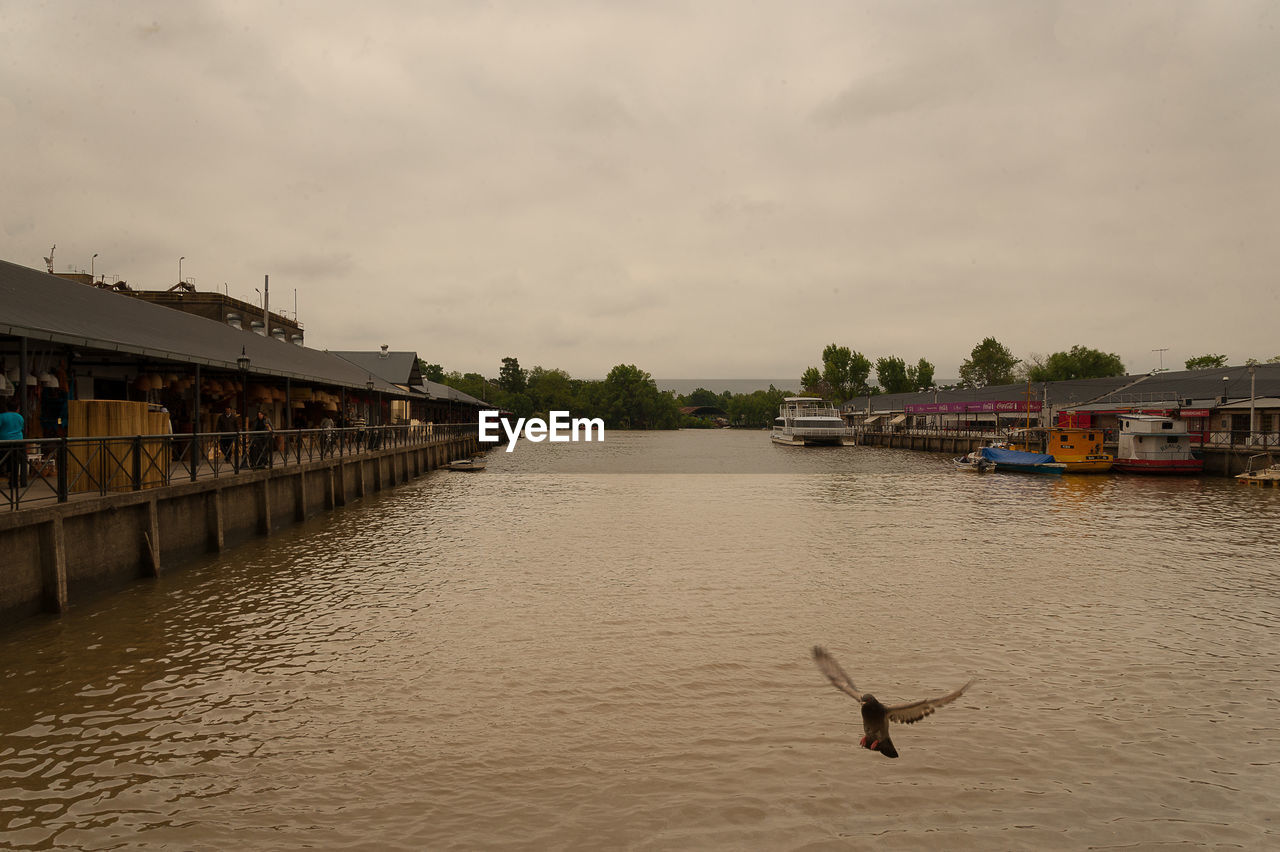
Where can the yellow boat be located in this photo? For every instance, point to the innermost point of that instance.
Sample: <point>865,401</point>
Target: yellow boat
<point>1079,449</point>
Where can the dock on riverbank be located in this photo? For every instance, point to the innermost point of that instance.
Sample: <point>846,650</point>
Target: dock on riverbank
<point>59,552</point>
<point>1227,460</point>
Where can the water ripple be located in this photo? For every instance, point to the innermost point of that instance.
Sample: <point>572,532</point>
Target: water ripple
<point>589,652</point>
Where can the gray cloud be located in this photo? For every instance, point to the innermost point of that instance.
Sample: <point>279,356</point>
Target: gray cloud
<point>711,189</point>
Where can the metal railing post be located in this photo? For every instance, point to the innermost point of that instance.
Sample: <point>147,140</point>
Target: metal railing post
<point>61,462</point>
<point>137,463</point>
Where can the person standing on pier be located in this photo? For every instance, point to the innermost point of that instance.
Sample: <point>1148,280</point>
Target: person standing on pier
<point>261,450</point>
<point>326,436</point>
<point>229,428</point>
<point>13,456</point>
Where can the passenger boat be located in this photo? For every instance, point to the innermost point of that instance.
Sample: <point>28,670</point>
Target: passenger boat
<point>805,421</point>
<point>1015,461</point>
<point>1150,443</point>
<point>1079,449</point>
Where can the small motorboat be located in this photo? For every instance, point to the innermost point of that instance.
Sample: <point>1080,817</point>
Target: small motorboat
<point>472,464</point>
<point>1259,475</point>
<point>1014,461</point>
<point>974,463</point>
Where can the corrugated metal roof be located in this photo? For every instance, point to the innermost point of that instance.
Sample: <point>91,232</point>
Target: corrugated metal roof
<point>40,306</point>
<point>401,368</point>
<point>398,368</point>
<point>439,391</point>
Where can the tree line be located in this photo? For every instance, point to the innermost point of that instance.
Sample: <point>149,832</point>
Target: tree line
<point>845,373</point>
<point>629,398</point>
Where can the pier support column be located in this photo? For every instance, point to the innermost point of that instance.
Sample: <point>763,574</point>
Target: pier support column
<point>216,536</point>
<point>360,487</point>
<point>152,539</point>
<point>340,484</point>
<point>53,565</point>
<point>300,497</point>
<point>264,504</point>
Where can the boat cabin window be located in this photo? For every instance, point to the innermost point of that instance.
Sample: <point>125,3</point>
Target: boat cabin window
<point>1171,439</point>
<point>1168,424</point>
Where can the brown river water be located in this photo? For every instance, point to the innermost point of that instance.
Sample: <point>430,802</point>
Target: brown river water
<point>606,646</point>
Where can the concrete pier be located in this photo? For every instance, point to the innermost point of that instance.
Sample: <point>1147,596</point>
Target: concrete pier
<point>58,554</point>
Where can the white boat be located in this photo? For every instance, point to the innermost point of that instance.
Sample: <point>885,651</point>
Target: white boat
<point>974,463</point>
<point>1153,444</point>
<point>1259,475</point>
<point>808,421</point>
<point>472,464</point>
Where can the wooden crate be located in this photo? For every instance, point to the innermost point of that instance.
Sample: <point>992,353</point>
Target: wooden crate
<point>113,462</point>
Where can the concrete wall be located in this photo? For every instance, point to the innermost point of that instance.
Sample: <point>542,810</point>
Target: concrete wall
<point>55,556</point>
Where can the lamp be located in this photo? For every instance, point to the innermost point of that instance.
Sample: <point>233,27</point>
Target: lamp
<point>242,364</point>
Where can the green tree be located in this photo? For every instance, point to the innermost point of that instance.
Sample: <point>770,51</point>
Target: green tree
<point>631,400</point>
<point>756,409</point>
<point>702,396</point>
<point>1206,362</point>
<point>431,372</point>
<point>512,379</point>
<point>1080,363</point>
<point>471,383</point>
<point>811,382</point>
<point>921,375</point>
<point>551,390</point>
<point>990,363</point>
<point>845,372</point>
<point>891,373</point>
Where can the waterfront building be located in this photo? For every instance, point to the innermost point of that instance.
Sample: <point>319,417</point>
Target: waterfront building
<point>439,403</point>
<point>61,339</point>
<point>1232,406</point>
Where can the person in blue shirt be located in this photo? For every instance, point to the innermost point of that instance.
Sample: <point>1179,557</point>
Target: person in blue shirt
<point>12,427</point>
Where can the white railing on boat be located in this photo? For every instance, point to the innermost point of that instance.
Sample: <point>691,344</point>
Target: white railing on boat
<point>814,431</point>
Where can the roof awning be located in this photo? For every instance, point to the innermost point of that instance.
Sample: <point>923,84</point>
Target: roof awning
<point>872,419</point>
<point>1018,415</point>
<point>899,419</point>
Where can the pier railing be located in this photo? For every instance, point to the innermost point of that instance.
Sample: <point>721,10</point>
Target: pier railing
<point>54,470</point>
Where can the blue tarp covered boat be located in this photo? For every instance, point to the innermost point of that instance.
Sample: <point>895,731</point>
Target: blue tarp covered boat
<point>1019,461</point>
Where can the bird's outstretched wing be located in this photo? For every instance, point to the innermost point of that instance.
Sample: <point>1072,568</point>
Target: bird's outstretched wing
<point>914,711</point>
<point>828,666</point>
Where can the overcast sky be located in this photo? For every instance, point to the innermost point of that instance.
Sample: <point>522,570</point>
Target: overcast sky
<point>708,189</point>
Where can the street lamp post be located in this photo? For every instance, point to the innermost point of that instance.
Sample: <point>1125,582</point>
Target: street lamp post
<point>1252,401</point>
<point>1226,417</point>
<point>372,421</point>
<point>242,364</point>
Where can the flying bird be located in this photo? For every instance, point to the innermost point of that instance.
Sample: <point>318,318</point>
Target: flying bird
<point>876,716</point>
